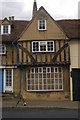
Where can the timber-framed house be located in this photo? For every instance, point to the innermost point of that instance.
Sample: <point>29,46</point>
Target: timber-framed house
<point>35,58</point>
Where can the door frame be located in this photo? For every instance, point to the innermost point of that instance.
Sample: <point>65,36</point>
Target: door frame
<point>5,80</point>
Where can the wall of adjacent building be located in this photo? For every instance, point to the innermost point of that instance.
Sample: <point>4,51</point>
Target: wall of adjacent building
<point>10,57</point>
<point>75,60</point>
<point>79,53</point>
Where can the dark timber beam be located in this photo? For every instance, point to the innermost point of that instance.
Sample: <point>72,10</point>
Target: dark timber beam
<point>12,55</point>
<point>64,52</point>
<point>6,55</point>
<point>59,51</point>
<point>27,52</point>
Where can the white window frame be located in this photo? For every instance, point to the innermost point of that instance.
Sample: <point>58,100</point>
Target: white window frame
<point>42,79</point>
<point>1,45</point>
<point>40,44</point>
<point>9,29</point>
<point>5,80</point>
<point>39,24</point>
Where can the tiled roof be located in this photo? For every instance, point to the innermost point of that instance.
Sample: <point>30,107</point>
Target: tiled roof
<point>17,27</point>
<point>70,27</point>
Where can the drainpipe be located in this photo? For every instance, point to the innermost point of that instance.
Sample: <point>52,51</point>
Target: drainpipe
<point>20,84</point>
<point>17,66</point>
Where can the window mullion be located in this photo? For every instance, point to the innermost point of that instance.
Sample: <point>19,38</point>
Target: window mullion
<point>30,80</point>
<point>46,47</point>
<point>34,80</point>
<point>39,46</point>
<point>46,80</point>
<point>50,78</point>
<point>38,80</point>
<point>27,79</point>
<point>54,78</point>
<point>58,79</point>
<point>62,77</point>
<point>42,80</point>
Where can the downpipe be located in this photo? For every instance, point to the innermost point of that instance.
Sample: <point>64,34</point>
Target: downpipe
<point>20,96</point>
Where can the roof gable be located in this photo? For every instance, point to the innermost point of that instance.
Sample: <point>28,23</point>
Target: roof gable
<point>54,31</point>
<point>5,21</point>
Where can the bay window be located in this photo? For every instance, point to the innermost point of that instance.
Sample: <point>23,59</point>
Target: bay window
<point>44,79</point>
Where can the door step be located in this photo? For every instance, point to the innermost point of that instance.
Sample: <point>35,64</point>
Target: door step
<point>7,96</point>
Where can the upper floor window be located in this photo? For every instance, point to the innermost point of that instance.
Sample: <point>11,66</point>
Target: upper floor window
<point>2,49</point>
<point>5,29</point>
<point>41,24</point>
<point>43,46</point>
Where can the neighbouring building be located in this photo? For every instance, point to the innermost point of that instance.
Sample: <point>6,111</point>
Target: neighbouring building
<point>36,57</point>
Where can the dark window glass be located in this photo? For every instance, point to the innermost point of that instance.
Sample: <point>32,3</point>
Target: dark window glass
<point>35,46</point>
<point>50,46</point>
<point>42,24</point>
<point>5,29</point>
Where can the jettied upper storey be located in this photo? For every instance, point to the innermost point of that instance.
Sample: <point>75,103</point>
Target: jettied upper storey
<point>53,32</point>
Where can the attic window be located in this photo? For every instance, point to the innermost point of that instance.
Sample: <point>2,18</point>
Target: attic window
<point>41,24</point>
<point>5,29</point>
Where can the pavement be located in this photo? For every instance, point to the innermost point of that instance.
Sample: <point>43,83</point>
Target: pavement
<point>40,104</point>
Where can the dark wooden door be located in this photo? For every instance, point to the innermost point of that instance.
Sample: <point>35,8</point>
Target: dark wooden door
<point>76,84</point>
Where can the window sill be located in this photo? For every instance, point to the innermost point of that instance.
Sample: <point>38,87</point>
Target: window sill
<point>42,30</point>
<point>42,52</point>
<point>44,90</point>
<point>2,53</point>
<point>5,34</point>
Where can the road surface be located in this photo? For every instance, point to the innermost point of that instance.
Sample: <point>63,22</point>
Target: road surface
<point>39,113</point>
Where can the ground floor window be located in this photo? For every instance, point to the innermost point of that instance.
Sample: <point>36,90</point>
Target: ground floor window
<point>8,80</point>
<point>44,79</point>
<point>8,77</point>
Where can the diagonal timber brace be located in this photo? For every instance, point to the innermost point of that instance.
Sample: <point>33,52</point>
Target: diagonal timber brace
<point>27,52</point>
<point>59,51</point>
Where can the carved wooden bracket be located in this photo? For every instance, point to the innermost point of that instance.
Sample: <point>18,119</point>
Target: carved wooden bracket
<point>59,51</point>
<point>27,52</point>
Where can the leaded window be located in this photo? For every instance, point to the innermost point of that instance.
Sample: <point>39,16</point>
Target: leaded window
<point>2,49</point>
<point>41,24</point>
<point>43,46</point>
<point>5,29</point>
<point>8,77</point>
<point>44,79</point>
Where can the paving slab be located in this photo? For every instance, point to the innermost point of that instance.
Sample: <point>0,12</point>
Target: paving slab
<point>41,104</point>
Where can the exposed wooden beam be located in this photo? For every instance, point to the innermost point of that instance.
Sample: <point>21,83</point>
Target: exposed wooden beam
<point>26,55</point>
<point>59,51</point>
<point>6,55</point>
<point>12,54</point>
<point>64,52</point>
<point>27,52</point>
<point>22,53</point>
